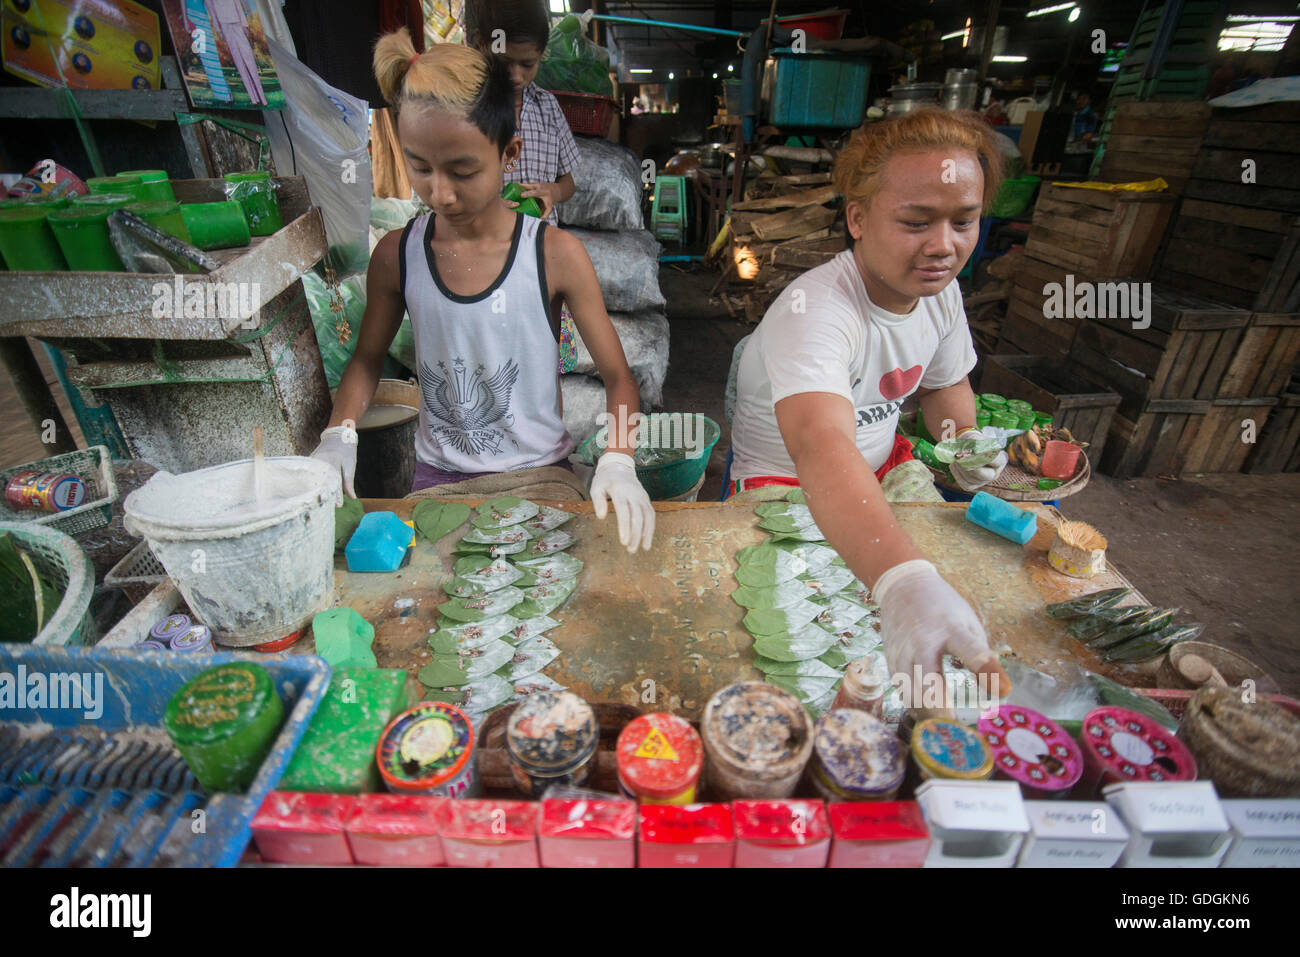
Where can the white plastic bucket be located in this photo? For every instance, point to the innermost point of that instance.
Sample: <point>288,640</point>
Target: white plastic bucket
<point>252,569</point>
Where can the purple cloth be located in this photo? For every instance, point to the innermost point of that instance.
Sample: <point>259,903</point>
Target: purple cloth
<point>426,476</point>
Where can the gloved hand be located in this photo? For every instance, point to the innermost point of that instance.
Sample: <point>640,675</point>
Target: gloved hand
<point>972,479</point>
<point>338,447</point>
<point>922,617</point>
<point>616,480</point>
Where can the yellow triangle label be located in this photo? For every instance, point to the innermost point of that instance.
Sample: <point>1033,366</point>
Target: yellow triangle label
<point>655,745</point>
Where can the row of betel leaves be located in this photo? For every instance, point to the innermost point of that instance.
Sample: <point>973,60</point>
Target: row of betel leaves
<point>511,573</point>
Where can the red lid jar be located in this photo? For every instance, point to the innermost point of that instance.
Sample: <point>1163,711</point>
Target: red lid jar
<point>659,759</point>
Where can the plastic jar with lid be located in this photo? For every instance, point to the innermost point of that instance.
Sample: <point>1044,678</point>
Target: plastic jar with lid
<point>946,749</point>
<point>864,686</point>
<point>659,760</point>
<point>855,757</point>
<point>255,193</point>
<point>131,185</point>
<point>26,239</point>
<point>82,234</point>
<point>429,749</point>
<point>196,639</point>
<point>1032,749</point>
<point>551,738</point>
<point>992,401</point>
<point>758,739</point>
<point>155,184</point>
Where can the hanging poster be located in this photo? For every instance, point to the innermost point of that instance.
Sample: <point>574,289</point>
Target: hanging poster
<point>223,56</point>
<point>81,44</point>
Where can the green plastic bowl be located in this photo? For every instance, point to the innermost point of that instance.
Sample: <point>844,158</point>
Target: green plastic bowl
<point>667,479</point>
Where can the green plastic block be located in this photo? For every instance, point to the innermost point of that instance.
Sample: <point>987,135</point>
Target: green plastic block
<point>343,638</point>
<point>337,751</point>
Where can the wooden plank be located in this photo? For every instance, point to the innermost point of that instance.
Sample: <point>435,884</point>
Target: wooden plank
<point>1202,346</point>
<point>1131,386</point>
<point>1152,164</point>
<point>1187,406</point>
<point>1048,249</point>
<point>1175,308</point>
<point>1164,458</point>
<point>1032,338</point>
<point>1275,137</point>
<point>1076,211</point>
<point>1252,242</point>
<point>793,222</point>
<point>1274,170</point>
<point>1283,274</point>
<point>1070,227</point>
<point>1242,373</point>
<point>803,197</point>
<point>1237,193</point>
<point>1275,443</point>
<point>1202,286</point>
<point>1281,112</point>
<point>1266,220</point>
<point>1198,111</point>
<point>1218,366</point>
<point>1148,142</point>
<point>1132,352</point>
<point>1230,268</point>
<point>1018,305</point>
<point>1084,197</point>
<point>807,255</point>
<point>1126,125</point>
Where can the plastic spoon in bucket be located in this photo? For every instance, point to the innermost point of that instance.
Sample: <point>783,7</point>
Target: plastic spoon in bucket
<point>259,465</point>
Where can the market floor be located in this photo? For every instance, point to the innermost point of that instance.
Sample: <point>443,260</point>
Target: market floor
<point>1223,548</point>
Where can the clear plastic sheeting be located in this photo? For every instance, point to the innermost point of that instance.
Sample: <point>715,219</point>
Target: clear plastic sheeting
<point>609,191</point>
<point>627,265</point>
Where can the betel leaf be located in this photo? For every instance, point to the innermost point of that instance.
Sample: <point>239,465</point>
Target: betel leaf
<point>346,519</point>
<point>551,568</point>
<point>780,596</point>
<point>485,659</point>
<point>544,599</point>
<point>547,520</point>
<point>796,497</point>
<point>482,607</point>
<point>433,519</point>
<point>509,535</point>
<point>530,628</point>
<point>804,668</point>
<point>808,642</point>
<point>968,453</point>
<point>531,684</point>
<point>445,671</point>
<point>765,566</point>
<point>778,621</point>
<point>532,656</point>
<point>490,578</point>
<point>504,512</point>
<point>805,689</point>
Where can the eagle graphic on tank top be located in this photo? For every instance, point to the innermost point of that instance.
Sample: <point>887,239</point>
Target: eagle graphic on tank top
<point>469,411</point>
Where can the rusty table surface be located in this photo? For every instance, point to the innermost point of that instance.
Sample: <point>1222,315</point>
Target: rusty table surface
<point>659,629</point>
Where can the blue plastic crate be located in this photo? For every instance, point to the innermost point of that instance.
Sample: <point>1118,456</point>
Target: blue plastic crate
<point>111,790</point>
<point>819,89</point>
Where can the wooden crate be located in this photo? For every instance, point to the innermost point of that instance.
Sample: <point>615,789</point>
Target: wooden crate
<point>1054,385</point>
<point>1277,445</point>
<point>1026,325</point>
<point>1264,358</point>
<point>1184,354</point>
<point>1155,441</point>
<point>1154,139</point>
<point>1220,444</point>
<point>1098,234</point>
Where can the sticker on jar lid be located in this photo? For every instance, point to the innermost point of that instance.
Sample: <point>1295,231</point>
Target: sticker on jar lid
<point>193,638</point>
<point>170,627</point>
<point>1031,748</point>
<point>1132,747</point>
<point>857,755</point>
<point>429,743</point>
<point>655,745</point>
<point>951,750</point>
<point>659,755</point>
<point>551,729</point>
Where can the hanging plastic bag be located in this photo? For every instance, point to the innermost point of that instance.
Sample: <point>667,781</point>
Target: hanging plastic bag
<point>573,62</point>
<point>323,134</point>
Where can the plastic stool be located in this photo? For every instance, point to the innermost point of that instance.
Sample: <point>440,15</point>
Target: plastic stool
<point>668,218</point>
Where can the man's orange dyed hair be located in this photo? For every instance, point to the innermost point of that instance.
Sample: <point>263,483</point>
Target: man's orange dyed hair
<point>858,168</point>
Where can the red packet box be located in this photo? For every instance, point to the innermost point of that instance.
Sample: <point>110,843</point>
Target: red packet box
<point>395,830</point>
<point>781,833</point>
<point>580,832</point>
<point>878,834</point>
<point>294,827</point>
<point>691,835</point>
<point>481,833</point>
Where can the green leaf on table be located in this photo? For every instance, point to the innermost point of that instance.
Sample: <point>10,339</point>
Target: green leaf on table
<point>796,497</point>
<point>471,634</point>
<point>805,689</point>
<point>346,519</point>
<point>544,599</point>
<point>531,656</point>
<point>778,621</point>
<point>780,596</point>
<point>968,453</point>
<point>433,519</point>
<point>492,577</point>
<point>485,659</point>
<point>549,543</point>
<point>547,519</point>
<point>510,535</point>
<point>804,668</point>
<point>551,568</point>
<point>482,607</point>
<point>808,642</point>
<point>444,671</point>
<point>530,628</point>
<point>764,566</point>
<point>831,580</point>
<point>504,512</point>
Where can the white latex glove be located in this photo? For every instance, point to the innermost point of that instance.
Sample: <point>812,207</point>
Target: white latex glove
<point>922,617</point>
<point>615,479</point>
<point>338,447</point>
<point>972,479</point>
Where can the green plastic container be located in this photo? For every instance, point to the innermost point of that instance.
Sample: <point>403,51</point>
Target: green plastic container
<point>924,451</point>
<point>992,401</point>
<point>1019,406</point>
<point>26,240</point>
<point>513,193</point>
<point>255,193</point>
<point>1026,420</point>
<point>819,89</point>
<point>44,200</point>
<point>82,234</point>
<point>216,225</point>
<point>921,429</point>
<point>983,418</point>
<point>1005,420</point>
<point>154,183</point>
<point>106,200</point>
<point>224,722</point>
<point>669,479</point>
<point>1043,419</point>
<point>166,215</point>
<point>1014,197</point>
<point>131,185</point>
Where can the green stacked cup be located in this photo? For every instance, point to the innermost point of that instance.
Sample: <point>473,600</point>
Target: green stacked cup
<point>983,417</point>
<point>82,234</point>
<point>44,200</point>
<point>26,240</point>
<point>1004,420</point>
<point>166,215</point>
<point>131,185</point>
<point>1024,413</point>
<point>1043,419</point>
<point>992,401</point>
<point>108,201</point>
<point>216,225</point>
<point>154,183</point>
<point>256,194</point>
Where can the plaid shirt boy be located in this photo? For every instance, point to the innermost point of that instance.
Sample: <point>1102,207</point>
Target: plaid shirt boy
<point>549,150</point>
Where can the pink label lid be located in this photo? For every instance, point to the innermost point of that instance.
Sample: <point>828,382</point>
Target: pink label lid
<point>1135,748</point>
<point>1030,748</point>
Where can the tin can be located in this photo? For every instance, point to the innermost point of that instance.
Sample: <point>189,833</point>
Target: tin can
<point>1033,750</point>
<point>551,738</point>
<point>171,626</point>
<point>195,638</point>
<point>855,757</point>
<point>429,749</point>
<point>1122,745</point>
<point>659,760</point>
<point>758,740</point>
<point>945,749</point>
<point>45,491</point>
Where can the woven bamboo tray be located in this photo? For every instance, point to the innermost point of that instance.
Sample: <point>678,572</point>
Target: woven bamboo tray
<point>1014,475</point>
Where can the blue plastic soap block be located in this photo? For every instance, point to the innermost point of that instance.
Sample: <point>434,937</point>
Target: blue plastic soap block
<point>343,638</point>
<point>1003,518</point>
<point>379,543</point>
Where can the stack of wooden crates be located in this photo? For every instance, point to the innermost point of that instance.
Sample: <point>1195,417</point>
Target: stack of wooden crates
<point>1207,386</point>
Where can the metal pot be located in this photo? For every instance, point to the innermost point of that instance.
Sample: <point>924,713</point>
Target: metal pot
<point>712,156</point>
<point>912,96</point>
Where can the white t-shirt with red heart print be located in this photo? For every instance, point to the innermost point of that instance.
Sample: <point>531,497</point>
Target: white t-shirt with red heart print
<point>823,334</point>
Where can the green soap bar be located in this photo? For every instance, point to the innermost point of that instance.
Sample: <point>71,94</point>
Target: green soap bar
<point>224,721</point>
<point>346,519</point>
<point>337,751</point>
<point>343,638</point>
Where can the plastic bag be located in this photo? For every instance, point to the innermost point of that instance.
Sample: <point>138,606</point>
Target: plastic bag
<point>584,403</point>
<point>573,62</point>
<point>645,344</point>
<point>336,331</point>
<point>609,190</point>
<point>627,265</point>
<point>323,134</point>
